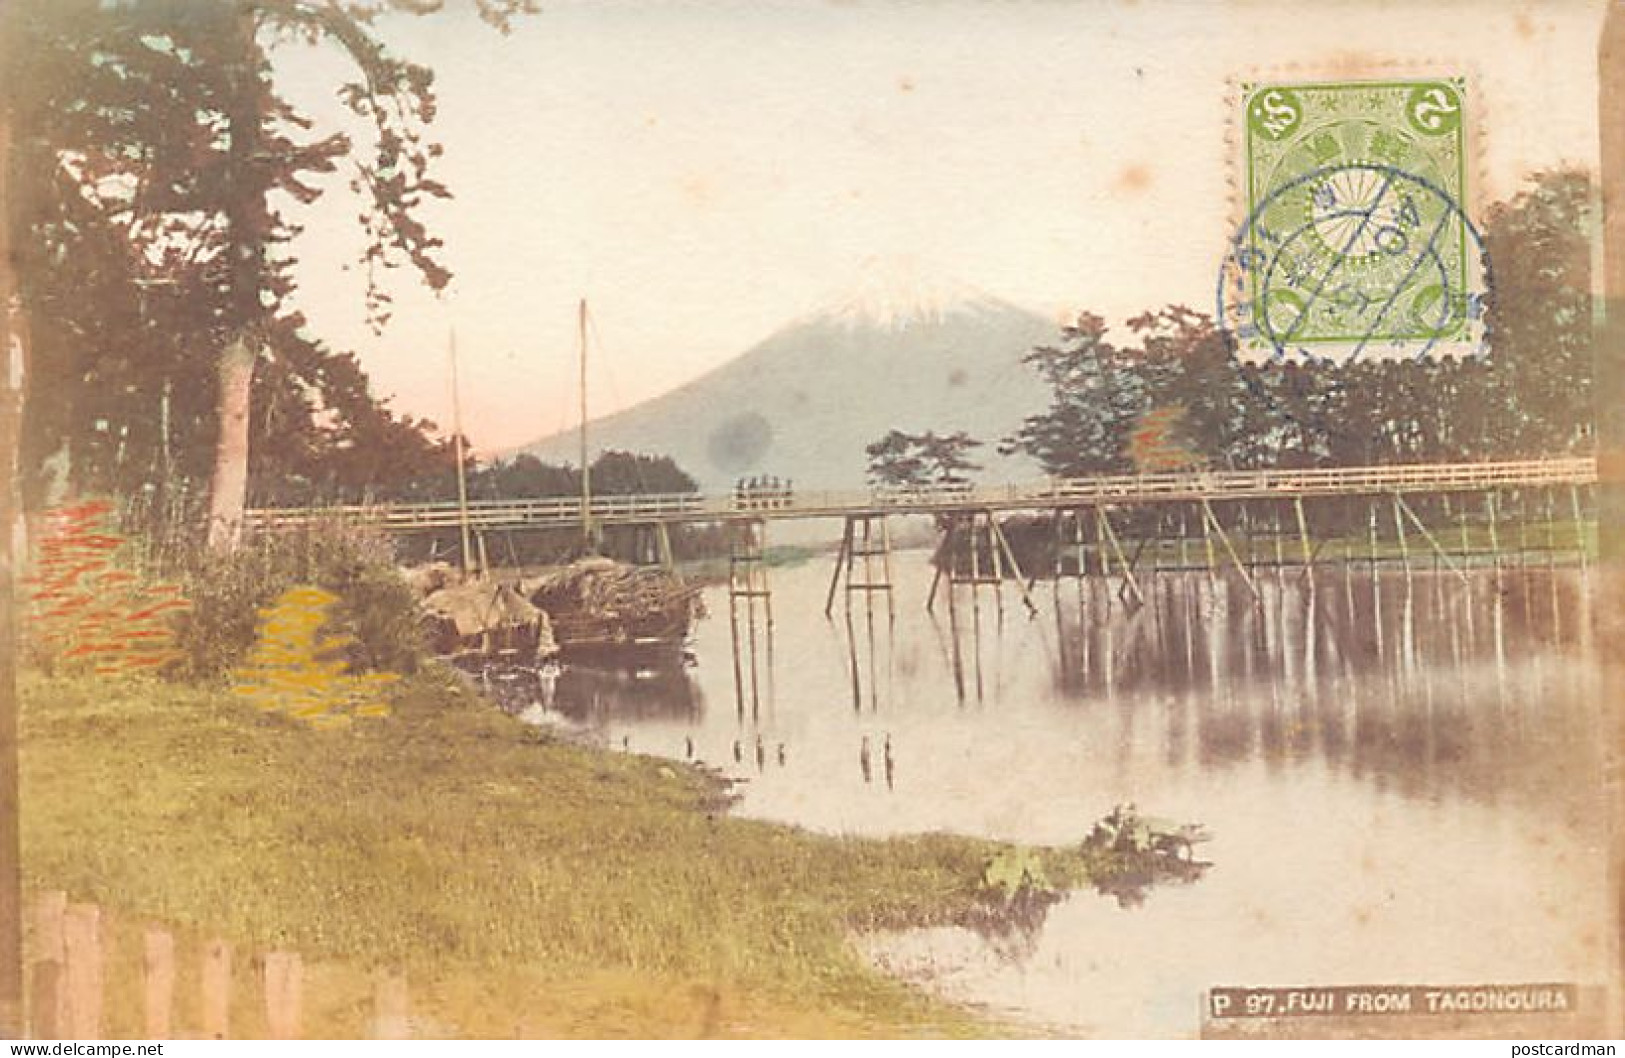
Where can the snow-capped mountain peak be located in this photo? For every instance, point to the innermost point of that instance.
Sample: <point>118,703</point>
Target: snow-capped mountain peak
<point>896,293</point>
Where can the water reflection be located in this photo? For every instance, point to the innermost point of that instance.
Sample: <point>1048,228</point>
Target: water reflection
<point>1402,775</point>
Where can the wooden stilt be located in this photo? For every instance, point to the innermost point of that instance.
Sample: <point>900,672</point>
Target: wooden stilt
<point>1207,542</point>
<point>668,556</point>
<point>1015,568</point>
<point>1495,539</point>
<point>1303,540</point>
<point>1399,531</point>
<point>1551,531</point>
<point>975,576</point>
<point>1280,551</point>
<point>842,560</point>
<point>1440,554</point>
<point>944,555</point>
<point>1224,539</point>
<point>1100,554</point>
<point>1129,583</point>
<point>996,559</point>
<point>885,559</point>
<point>1371,524</point>
<point>1579,528</point>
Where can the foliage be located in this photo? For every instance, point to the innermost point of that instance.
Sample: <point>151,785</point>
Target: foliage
<point>1539,246</point>
<point>922,460</point>
<point>616,473</point>
<point>296,665</point>
<point>1154,445</point>
<point>1096,394</point>
<point>159,173</point>
<point>377,612</point>
<point>1113,408</point>
<point>89,613</point>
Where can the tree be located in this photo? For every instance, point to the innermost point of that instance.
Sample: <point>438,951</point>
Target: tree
<point>630,473</point>
<point>164,117</point>
<point>1096,396</point>
<point>1194,395</point>
<point>922,460</point>
<point>1539,313</point>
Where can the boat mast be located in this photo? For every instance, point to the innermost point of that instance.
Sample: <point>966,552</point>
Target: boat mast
<point>586,472</point>
<point>457,446</point>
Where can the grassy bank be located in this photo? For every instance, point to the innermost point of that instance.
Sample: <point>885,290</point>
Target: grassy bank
<point>527,886</point>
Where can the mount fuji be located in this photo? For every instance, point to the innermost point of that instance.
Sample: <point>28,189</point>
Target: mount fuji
<point>802,404</point>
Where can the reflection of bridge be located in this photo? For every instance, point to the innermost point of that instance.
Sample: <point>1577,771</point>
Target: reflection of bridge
<point>1088,520</point>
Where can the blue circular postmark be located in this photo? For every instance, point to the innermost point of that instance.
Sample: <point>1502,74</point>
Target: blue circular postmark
<point>1356,259</point>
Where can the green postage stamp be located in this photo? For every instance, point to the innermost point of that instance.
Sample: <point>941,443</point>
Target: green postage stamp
<point>1355,243</point>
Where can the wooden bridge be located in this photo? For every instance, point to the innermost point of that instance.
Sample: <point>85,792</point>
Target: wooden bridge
<point>777,504</point>
<point>1098,526</point>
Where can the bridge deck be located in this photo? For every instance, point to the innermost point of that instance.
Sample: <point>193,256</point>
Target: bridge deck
<point>1050,494</point>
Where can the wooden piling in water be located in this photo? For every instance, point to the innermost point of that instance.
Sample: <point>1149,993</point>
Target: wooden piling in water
<point>1579,528</point>
<point>1399,534</point>
<point>1495,537</point>
<point>1303,540</point>
<point>1371,525</point>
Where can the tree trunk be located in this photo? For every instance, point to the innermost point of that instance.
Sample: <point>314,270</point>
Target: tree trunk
<point>248,219</point>
<point>229,491</point>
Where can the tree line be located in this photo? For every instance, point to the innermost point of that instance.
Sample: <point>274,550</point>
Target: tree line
<point>1176,396</point>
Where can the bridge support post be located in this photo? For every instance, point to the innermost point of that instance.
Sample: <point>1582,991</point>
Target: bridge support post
<point>1399,532</point>
<point>1109,535</point>
<point>852,549</point>
<point>1551,530</point>
<point>1003,543</point>
<point>1438,549</point>
<point>1303,540</point>
<point>1207,542</point>
<point>747,574</point>
<point>841,560</point>
<point>1495,539</point>
<point>747,582</point>
<point>1281,553</point>
<point>1371,526</point>
<point>1579,528</point>
<point>1241,567</point>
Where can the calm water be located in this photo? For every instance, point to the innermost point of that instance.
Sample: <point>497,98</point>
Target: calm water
<point>1403,777</point>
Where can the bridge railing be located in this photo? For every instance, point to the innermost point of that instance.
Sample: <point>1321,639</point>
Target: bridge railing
<point>609,509</point>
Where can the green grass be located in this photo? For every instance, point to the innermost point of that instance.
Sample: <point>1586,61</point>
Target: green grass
<point>527,886</point>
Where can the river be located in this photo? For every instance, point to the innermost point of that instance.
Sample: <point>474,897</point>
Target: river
<point>1402,775</point>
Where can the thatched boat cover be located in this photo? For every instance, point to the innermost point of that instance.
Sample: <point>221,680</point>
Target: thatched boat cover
<point>482,606</point>
<point>606,589</point>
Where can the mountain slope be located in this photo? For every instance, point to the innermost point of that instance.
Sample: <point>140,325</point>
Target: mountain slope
<point>802,404</point>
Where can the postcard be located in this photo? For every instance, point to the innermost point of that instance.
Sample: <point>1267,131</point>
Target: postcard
<point>825,519</point>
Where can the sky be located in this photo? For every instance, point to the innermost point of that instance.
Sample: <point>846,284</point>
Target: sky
<point>704,173</point>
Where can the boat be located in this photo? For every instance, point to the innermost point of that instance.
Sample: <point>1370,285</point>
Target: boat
<point>607,613</point>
